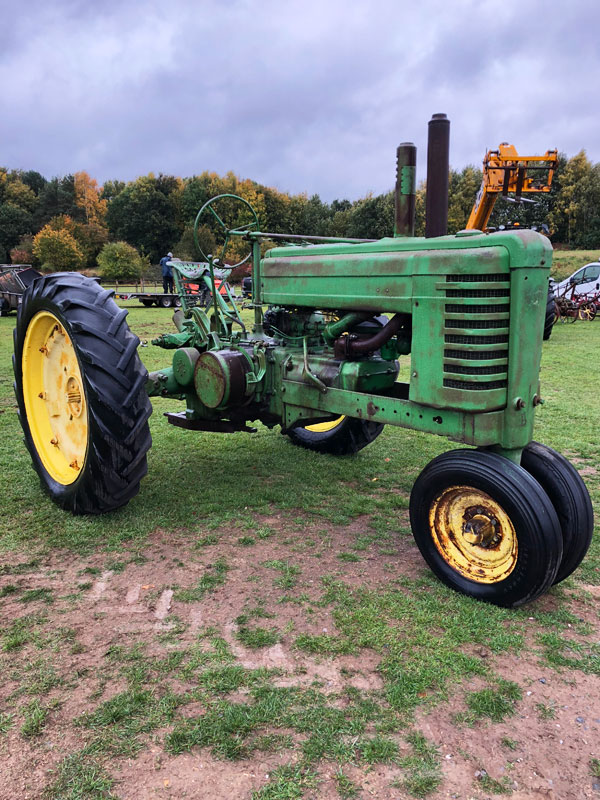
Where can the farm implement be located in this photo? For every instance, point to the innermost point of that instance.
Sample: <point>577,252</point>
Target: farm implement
<point>569,306</point>
<point>501,520</point>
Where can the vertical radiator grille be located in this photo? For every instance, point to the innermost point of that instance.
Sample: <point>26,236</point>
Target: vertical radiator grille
<point>476,332</point>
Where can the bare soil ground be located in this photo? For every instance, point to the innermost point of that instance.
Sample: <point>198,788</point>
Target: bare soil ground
<point>99,609</point>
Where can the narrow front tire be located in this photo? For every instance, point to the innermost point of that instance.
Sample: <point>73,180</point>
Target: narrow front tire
<point>486,527</point>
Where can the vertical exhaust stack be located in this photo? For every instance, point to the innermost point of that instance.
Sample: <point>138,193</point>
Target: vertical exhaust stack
<point>404,195</point>
<point>438,166</point>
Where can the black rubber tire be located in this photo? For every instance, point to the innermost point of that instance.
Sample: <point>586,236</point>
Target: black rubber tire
<point>164,302</point>
<point>350,436</point>
<point>114,385</point>
<point>539,539</point>
<point>570,498</point>
<point>146,302</point>
<point>549,319</point>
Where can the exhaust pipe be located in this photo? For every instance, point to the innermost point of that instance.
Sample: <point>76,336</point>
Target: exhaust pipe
<point>438,166</point>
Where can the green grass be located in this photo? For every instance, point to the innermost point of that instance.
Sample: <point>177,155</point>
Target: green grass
<point>423,768</point>
<point>34,719</point>
<point>257,637</point>
<point>346,788</point>
<point>546,711</point>
<point>289,573</point>
<point>223,492</point>
<point>80,778</point>
<point>35,595</point>
<point>6,722</point>
<point>489,784</point>
<point>562,653</point>
<point>494,704</point>
<point>565,262</point>
<point>213,577</point>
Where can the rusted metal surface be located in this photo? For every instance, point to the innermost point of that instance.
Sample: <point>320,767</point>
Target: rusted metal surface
<point>180,420</point>
<point>405,191</point>
<point>473,534</point>
<point>220,378</point>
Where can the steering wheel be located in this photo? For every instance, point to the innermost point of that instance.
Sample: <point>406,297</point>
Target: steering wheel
<point>244,217</point>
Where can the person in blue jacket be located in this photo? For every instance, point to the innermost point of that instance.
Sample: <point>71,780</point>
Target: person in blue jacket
<point>167,274</point>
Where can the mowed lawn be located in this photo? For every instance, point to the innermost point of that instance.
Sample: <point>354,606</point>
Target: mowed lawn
<point>258,622</point>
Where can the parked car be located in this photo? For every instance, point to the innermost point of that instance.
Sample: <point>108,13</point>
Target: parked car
<point>585,280</point>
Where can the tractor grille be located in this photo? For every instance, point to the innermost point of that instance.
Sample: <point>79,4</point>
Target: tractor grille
<point>477,359</point>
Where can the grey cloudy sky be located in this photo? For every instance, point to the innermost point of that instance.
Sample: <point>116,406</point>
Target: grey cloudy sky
<point>308,96</point>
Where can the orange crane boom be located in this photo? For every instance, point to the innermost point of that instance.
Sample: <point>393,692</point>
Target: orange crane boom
<point>506,172</point>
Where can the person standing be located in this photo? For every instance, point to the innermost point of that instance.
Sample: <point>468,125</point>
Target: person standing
<point>167,273</point>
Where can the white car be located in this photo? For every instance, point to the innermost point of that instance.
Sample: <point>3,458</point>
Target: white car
<point>586,279</point>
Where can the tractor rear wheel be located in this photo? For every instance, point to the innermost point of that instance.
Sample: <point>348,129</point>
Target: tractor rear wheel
<point>564,485</point>
<point>80,388</point>
<point>339,437</point>
<point>486,527</point>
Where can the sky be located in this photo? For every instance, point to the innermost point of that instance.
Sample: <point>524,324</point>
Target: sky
<point>310,96</point>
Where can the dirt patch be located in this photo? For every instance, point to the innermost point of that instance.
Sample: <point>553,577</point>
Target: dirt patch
<point>91,613</point>
<point>543,751</point>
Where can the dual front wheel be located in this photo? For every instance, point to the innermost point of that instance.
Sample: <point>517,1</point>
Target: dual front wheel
<point>485,525</point>
<point>488,528</point>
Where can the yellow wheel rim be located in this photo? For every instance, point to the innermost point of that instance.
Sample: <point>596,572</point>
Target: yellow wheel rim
<point>473,534</point>
<point>323,427</point>
<point>54,398</point>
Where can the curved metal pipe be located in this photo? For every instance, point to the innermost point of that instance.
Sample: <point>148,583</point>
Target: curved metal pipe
<point>360,347</point>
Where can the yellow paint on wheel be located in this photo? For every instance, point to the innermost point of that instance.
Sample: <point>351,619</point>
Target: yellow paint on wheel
<point>473,534</point>
<point>323,427</point>
<point>54,398</point>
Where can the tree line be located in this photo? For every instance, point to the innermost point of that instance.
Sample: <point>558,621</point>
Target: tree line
<point>71,222</point>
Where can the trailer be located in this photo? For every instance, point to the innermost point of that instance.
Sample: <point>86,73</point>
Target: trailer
<point>14,279</point>
<point>196,290</point>
<point>161,299</point>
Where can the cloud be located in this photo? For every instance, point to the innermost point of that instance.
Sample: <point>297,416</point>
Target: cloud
<point>307,96</point>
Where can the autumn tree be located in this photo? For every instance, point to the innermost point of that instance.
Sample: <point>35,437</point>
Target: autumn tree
<point>119,261</point>
<point>22,252</point>
<point>20,195</point>
<point>575,215</point>
<point>88,198</point>
<point>57,250</point>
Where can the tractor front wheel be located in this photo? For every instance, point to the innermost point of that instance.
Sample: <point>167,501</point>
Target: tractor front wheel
<point>339,437</point>
<point>80,389</point>
<point>564,485</point>
<point>486,527</point>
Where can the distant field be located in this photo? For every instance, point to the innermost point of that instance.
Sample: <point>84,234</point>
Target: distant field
<point>565,262</point>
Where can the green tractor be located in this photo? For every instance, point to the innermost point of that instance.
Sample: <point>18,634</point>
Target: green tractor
<point>501,520</point>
